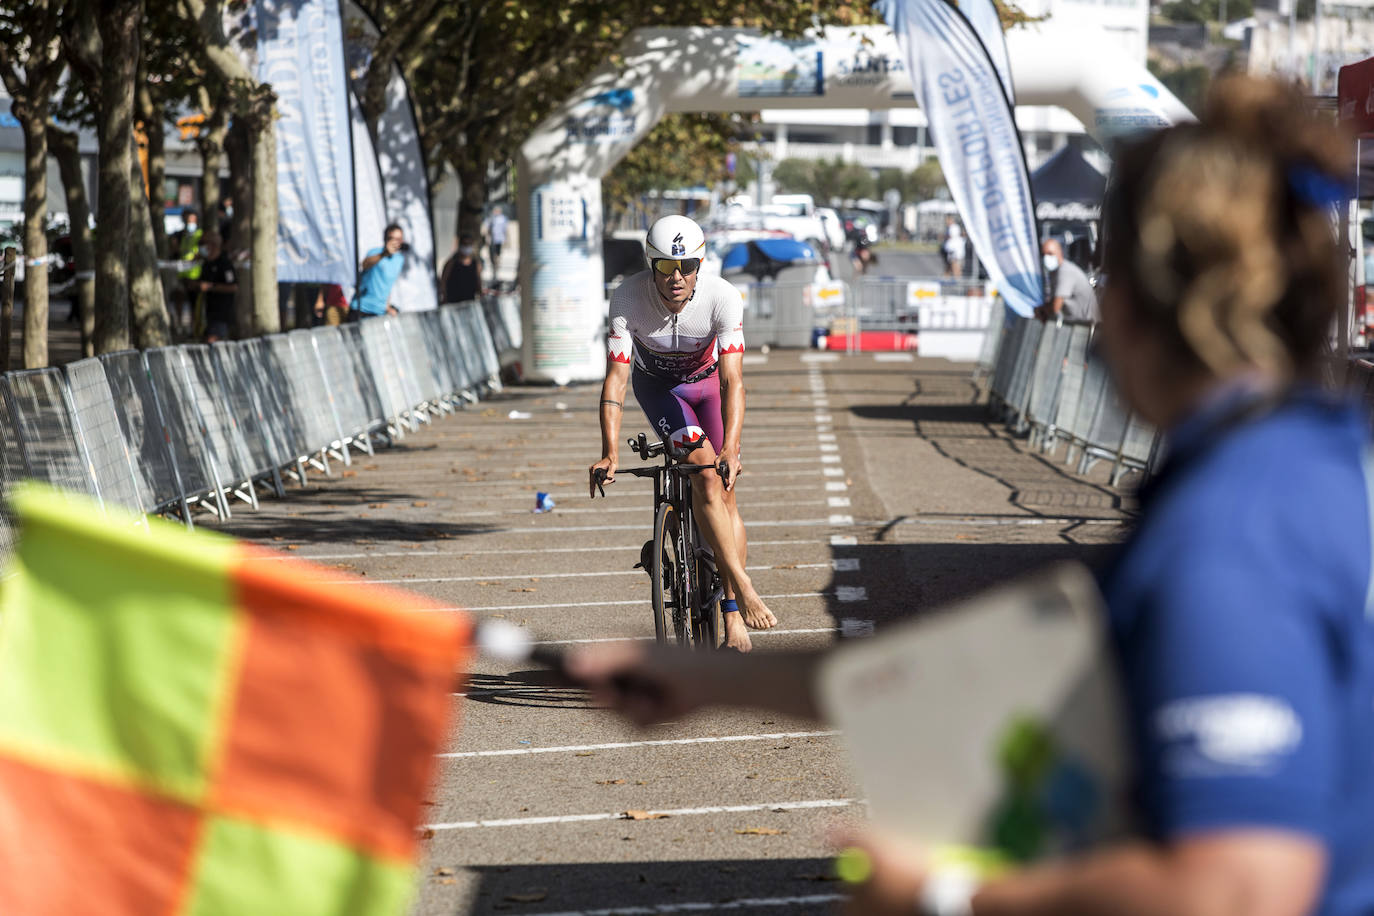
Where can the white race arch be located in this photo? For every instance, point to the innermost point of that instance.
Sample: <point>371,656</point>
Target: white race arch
<point>563,304</point>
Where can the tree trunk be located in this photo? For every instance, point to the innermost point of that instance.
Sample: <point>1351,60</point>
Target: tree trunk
<point>63,146</point>
<point>266,318</point>
<point>238,147</point>
<point>119,33</point>
<point>472,197</point>
<point>34,122</point>
<point>147,307</point>
<point>210,144</point>
<point>157,177</point>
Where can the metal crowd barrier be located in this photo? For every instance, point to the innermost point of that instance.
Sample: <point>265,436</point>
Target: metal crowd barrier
<point>172,430</point>
<point>1044,381</point>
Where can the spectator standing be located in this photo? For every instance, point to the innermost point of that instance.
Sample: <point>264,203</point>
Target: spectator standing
<point>217,285</point>
<point>188,252</point>
<point>495,231</point>
<point>331,305</point>
<point>379,270</point>
<point>952,248</point>
<point>1240,609</point>
<point>461,279</point>
<point>1073,294</point>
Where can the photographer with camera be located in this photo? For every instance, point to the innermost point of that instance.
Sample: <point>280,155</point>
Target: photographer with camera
<point>378,273</point>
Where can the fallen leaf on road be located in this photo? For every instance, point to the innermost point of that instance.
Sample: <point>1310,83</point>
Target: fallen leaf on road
<point>531,897</point>
<point>524,589</point>
<point>419,504</point>
<point>634,814</point>
<point>349,474</point>
<point>448,880</point>
<point>786,566</point>
<point>277,537</point>
<point>293,546</point>
<point>583,754</point>
<point>760,831</point>
<point>369,467</point>
<point>488,583</point>
<point>427,834</point>
<point>376,505</point>
<point>610,782</point>
<point>444,872</point>
<point>751,775</point>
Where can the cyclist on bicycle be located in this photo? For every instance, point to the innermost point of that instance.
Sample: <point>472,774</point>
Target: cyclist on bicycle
<point>679,337</point>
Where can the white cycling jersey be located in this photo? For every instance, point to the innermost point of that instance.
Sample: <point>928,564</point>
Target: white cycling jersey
<point>675,347</point>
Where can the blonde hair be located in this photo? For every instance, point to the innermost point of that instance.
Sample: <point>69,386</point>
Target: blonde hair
<point>1220,230</point>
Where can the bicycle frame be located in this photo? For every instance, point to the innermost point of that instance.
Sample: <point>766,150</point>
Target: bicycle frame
<point>673,485</point>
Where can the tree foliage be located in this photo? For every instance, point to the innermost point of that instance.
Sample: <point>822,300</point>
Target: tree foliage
<point>682,150</point>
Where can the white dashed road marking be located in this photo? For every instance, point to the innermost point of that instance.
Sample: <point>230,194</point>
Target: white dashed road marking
<point>618,745</point>
<point>670,812</point>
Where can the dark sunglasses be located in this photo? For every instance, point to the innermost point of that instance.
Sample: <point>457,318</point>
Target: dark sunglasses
<point>685,266</point>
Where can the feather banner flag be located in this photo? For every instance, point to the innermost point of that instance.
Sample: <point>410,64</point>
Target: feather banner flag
<point>191,725</point>
<point>965,94</point>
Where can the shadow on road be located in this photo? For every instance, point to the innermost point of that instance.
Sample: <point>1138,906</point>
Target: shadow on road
<point>806,885</point>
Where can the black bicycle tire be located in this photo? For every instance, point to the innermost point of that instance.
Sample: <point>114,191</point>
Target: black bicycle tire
<point>665,526</point>
<point>705,613</point>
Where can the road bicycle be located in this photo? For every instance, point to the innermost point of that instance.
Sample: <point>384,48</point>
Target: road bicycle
<point>685,587</point>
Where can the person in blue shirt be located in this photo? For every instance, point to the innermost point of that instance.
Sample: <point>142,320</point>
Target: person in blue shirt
<point>379,271</point>
<point>1242,605</point>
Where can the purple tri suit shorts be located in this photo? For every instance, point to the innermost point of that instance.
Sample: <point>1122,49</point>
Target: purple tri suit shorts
<point>682,413</point>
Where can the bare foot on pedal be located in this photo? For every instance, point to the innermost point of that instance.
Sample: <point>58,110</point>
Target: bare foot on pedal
<point>737,634</point>
<point>756,613</point>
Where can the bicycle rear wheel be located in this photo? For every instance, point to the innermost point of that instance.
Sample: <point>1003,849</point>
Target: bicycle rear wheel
<point>706,618</point>
<point>666,576</point>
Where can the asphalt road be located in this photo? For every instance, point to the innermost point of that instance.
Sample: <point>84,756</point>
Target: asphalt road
<point>874,489</point>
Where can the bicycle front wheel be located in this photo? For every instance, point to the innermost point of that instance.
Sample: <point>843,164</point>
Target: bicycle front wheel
<point>666,575</point>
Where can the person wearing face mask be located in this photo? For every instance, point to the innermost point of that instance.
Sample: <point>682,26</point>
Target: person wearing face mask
<point>1073,295</point>
<point>461,279</point>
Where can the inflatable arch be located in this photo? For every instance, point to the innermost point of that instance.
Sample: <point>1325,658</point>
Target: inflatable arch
<point>563,304</point>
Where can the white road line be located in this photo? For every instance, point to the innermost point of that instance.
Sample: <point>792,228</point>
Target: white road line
<point>820,357</point>
<point>833,472</point>
<point>892,357</point>
<point>825,437</point>
<point>845,564</point>
<point>567,575</point>
<point>836,486</point>
<point>843,540</point>
<point>849,593</point>
<point>824,418</point>
<point>753,523</point>
<point>643,601</point>
<point>838,502</point>
<point>827,447</point>
<point>830,459</point>
<point>669,812</point>
<point>707,906</point>
<point>502,551</point>
<point>755,635</point>
<point>618,745</point>
<point>841,519</point>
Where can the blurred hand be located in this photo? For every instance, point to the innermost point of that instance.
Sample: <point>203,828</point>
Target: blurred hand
<point>899,869</point>
<point>606,463</point>
<point>392,310</point>
<point>641,681</point>
<point>731,457</point>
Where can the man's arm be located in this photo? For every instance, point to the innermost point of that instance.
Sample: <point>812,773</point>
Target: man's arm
<point>612,411</point>
<point>371,260</point>
<point>732,410</point>
<point>1245,872</point>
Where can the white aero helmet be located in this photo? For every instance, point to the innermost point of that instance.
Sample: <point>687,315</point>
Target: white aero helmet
<point>674,237</point>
